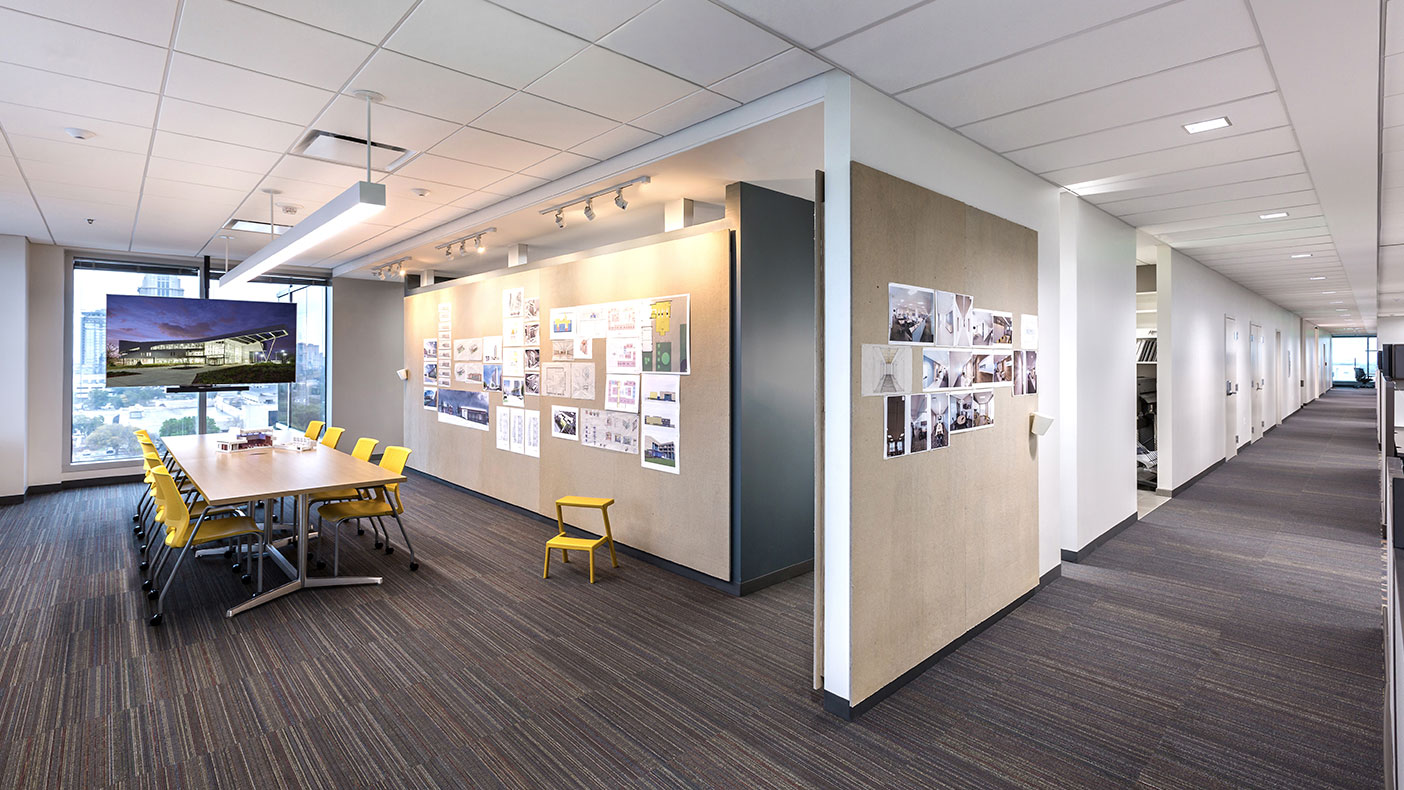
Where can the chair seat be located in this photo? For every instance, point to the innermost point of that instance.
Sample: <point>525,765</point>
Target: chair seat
<point>361,508</point>
<point>221,528</point>
<point>334,496</point>
<point>573,544</point>
<point>583,501</point>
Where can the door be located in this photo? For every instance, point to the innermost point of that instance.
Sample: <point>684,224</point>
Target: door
<point>1257,362</point>
<point>1284,375</point>
<point>1230,387</point>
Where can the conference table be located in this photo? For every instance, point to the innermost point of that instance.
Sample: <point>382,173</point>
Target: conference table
<point>266,475</point>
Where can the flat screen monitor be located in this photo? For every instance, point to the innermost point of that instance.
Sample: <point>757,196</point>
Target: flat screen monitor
<point>1385,364</point>
<point>1396,365</point>
<point>162,341</point>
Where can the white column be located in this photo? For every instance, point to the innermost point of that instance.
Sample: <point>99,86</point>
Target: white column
<point>14,396</point>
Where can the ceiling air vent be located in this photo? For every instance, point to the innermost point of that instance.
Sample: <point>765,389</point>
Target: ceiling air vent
<point>346,150</point>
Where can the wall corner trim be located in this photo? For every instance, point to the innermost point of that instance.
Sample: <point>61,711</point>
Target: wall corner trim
<point>1086,551</point>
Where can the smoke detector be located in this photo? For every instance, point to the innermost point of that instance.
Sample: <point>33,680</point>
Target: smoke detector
<point>289,208</point>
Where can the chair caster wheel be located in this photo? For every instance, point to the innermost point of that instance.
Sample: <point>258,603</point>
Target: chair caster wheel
<point>154,620</point>
<point>143,565</point>
<point>153,594</point>
<point>389,549</point>
<point>136,531</point>
<point>414,566</point>
<point>234,567</point>
<point>360,532</point>
<point>378,544</point>
<point>145,584</point>
<point>135,517</point>
<point>246,579</point>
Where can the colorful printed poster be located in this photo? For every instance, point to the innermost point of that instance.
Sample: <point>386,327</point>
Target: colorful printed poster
<point>622,393</point>
<point>563,323</point>
<point>492,377</point>
<point>431,347</point>
<point>666,348</point>
<point>460,407</point>
<point>622,355</point>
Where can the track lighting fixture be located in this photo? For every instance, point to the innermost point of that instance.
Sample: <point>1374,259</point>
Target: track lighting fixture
<point>478,242</point>
<point>462,242</point>
<point>392,269</point>
<point>589,201</point>
<point>448,251</point>
<point>462,247</point>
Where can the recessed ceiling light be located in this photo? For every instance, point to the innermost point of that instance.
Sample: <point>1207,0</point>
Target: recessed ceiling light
<point>1316,278</point>
<point>1327,293</point>
<point>1338,301</point>
<point>1302,255</point>
<point>1207,126</point>
<point>80,134</point>
<point>1273,215</point>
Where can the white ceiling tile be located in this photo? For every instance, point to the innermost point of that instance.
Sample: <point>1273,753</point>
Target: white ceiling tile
<point>221,85</point>
<point>307,194</point>
<point>398,187</point>
<point>70,153</point>
<point>694,39</point>
<point>451,171</point>
<point>1161,134</point>
<point>559,165</point>
<point>150,21</point>
<point>215,123</point>
<point>53,46</point>
<point>1089,60</point>
<point>1234,213</point>
<point>1198,197</point>
<point>253,39</point>
<point>1214,152</point>
<point>203,218</point>
<point>20,217</point>
<point>389,125</point>
<point>614,142</point>
<point>197,173</point>
<point>685,112</point>
<point>437,217</point>
<point>1208,82</point>
<point>813,23</point>
<point>543,121</point>
<point>495,150</point>
<point>367,20</point>
<point>514,184</point>
<point>85,193</point>
<point>59,92</point>
<point>586,20</point>
<point>478,38</point>
<point>169,145</point>
<point>1198,178</point>
<point>1394,31</point>
<point>768,76</point>
<point>50,125</point>
<point>195,194</point>
<point>609,84</point>
<point>428,89</point>
<point>1393,110</point>
<point>68,219</point>
<point>118,175</point>
<point>478,201</point>
<point>1394,75</point>
<point>316,171</point>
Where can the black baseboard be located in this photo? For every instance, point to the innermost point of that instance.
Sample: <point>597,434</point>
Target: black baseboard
<point>1083,553</point>
<point>1181,488</point>
<point>775,577</point>
<point>730,588</point>
<point>841,708</point>
<point>47,488</point>
<point>12,499</point>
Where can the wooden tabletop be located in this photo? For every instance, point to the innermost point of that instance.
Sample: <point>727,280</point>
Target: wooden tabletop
<point>228,478</point>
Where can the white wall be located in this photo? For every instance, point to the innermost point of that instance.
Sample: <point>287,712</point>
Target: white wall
<point>14,327</point>
<point>367,341</point>
<point>48,440</point>
<point>1193,302</point>
<point>1098,372</point>
<point>862,125</point>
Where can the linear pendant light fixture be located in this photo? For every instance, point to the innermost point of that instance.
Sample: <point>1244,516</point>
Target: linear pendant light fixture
<point>364,199</point>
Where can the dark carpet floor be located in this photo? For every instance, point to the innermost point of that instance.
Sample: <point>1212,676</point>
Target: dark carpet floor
<point>1231,639</point>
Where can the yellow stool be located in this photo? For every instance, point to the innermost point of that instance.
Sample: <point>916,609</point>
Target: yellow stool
<point>567,544</point>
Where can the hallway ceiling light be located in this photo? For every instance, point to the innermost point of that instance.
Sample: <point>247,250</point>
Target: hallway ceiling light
<point>1301,255</point>
<point>1319,277</point>
<point>1207,126</point>
<point>1273,215</point>
<point>1328,293</point>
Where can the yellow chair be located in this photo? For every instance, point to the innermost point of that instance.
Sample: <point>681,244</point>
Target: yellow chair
<point>365,447</point>
<point>183,535</point>
<point>332,437</point>
<point>385,503</point>
<point>568,544</point>
<point>314,429</point>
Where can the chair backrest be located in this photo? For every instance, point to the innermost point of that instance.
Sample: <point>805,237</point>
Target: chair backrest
<point>394,460</point>
<point>332,436</point>
<point>314,429</point>
<point>176,516</point>
<point>364,447</point>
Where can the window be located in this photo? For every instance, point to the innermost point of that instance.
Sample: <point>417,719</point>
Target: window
<point>103,417</point>
<point>1349,353</point>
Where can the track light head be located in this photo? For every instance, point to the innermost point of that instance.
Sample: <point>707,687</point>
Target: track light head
<point>619,199</point>
<point>478,243</point>
<point>590,210</point>
<point>380,273</point>
<point>462,247</point>
<point>448,251</point>
<point>560,218</point>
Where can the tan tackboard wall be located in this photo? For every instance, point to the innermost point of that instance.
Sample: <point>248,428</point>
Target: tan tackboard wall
<point>944,539</point>
<point>685,517</point>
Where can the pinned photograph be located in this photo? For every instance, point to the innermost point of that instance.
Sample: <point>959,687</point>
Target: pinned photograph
<point>886,370</point>
<point>492,349</point>
<point>945,318</point>
<point>555,380</point>
<point>582,381</point>
<point>460,407</point>
<point>531,309</point>
<point>1025,372</point>
<point>512,332</point>
<point>941,420</point>
<point>972,411</point>
<point>565,422</point>
<point>431,347</point>
<point>512,299</point>
<point>584,347</point>
<point>531,383</point>
<point>513,391</point>
<point>622,393</point>
<point>562,350</point>
<point>994,369</point>
<point>492,377</point>
<point>918,423</point>
<point>431,370</point>
<point>963,307</point>
<point>431,398</point>
<point>659,449</point>
<point>1028,332</point>
<point>563,323</point>
<point>532,358</point>
<point>895,434</point>
<point>935,369</point>
<point>911,314</point>
<point>531,334</point>
<point>981,327</point>
<point>1003,334</point>
<point>962,369</point>
<point>513,362</point>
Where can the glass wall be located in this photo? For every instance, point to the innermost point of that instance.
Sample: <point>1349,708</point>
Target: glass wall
<point>103,417</point>
<point>1350,353</point>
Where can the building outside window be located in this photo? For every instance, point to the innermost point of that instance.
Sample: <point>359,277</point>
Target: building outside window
<point>1349,353</point>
